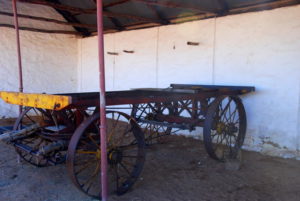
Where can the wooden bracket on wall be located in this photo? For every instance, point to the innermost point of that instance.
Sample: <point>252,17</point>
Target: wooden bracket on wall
<point>113,53</point>
<point>193,43</point>
<point>129,51</point>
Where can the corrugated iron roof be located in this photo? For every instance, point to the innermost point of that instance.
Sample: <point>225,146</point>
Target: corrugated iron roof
<point>79,16</point>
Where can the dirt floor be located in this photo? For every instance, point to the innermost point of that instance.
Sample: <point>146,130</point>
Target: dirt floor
<point>177,171</point>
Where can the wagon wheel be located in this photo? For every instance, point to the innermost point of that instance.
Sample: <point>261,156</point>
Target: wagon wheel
<point>147,114</point>
<point>50,124</point>
<point>125,154</point>
<point>225,127</point>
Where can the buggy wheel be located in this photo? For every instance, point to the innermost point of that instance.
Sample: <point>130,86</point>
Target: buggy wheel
<point>148,117</point>
<point>125,154</point>
<point>225,127</point>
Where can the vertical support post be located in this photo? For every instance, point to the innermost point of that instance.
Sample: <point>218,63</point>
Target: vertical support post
<point>104,184</point>
<point>14,5</point>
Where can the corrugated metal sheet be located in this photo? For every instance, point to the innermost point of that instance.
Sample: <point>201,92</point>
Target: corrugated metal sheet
<point>130,14</point>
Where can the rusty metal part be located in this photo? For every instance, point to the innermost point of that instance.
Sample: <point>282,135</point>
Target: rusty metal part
<point>29,147</point>
<point>152,119</point>
<point>225,127</point>
<point>125,154</point>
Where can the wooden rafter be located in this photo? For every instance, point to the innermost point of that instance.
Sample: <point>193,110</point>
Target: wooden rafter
<point>176,5</point>
<point>107,5</point>
<point>143,22</point>
<point>158,14</point>
<point>224,5</point>
<point>258,6</point>
<point>70,18</point>
<point>43,19</point>
<point>113,20</point>
<point>41,30</point>
<point>54,4</point>
<point>134,17</point>
<point>88,11</point>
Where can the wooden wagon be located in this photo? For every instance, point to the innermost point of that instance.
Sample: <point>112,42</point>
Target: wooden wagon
<point>53,129</point>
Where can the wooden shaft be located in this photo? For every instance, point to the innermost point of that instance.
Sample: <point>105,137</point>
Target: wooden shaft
<point>13,135</point>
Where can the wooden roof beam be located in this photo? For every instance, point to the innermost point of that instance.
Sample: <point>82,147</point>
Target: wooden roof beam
<point>134,17</point>
<point>88,11</point>
<point>60,6</point>
<point>224,5</point>
<point>158,14</point>
<point>70,18</point>
<point>107,5</point>
<point>43,19</point>
<point>176,5</point>
<point>117,24</point>
<point>267,5</point>
<point>41,30</point>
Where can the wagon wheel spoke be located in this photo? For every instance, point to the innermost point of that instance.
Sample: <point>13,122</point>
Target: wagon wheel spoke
<point>146,115</point>
<point>142,111</point>
<point>153,108</point>
<point>125,154</point>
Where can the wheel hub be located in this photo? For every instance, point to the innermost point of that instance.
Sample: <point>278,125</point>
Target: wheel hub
<point>220,127</point>
<point>115,156</point>
<point>227,129</point>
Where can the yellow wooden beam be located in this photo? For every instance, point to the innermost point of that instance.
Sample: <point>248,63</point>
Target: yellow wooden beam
<point>45,101</point>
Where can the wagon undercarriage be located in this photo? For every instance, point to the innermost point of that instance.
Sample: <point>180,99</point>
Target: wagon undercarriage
<point>54,129</point>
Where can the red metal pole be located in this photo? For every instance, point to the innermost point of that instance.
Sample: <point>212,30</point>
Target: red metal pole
<point>14,5</point>
<point>102,101</point>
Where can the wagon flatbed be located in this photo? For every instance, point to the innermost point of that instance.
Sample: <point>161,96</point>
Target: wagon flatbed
<point>135,96</point>
<point>176,92</point>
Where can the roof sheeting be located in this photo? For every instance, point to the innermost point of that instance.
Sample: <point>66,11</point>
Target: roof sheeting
<point>32,10</point>
<point>119,15</point>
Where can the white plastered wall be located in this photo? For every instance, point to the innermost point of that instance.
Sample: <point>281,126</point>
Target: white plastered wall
<point>260,49</point>
<point>263,49</point>
<point>49,60</point>
<point>49,64</point>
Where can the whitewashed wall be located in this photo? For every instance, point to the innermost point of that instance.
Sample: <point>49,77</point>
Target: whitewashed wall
<point>49,60</point>
<point>260,49</point>
<point>49,64</point>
